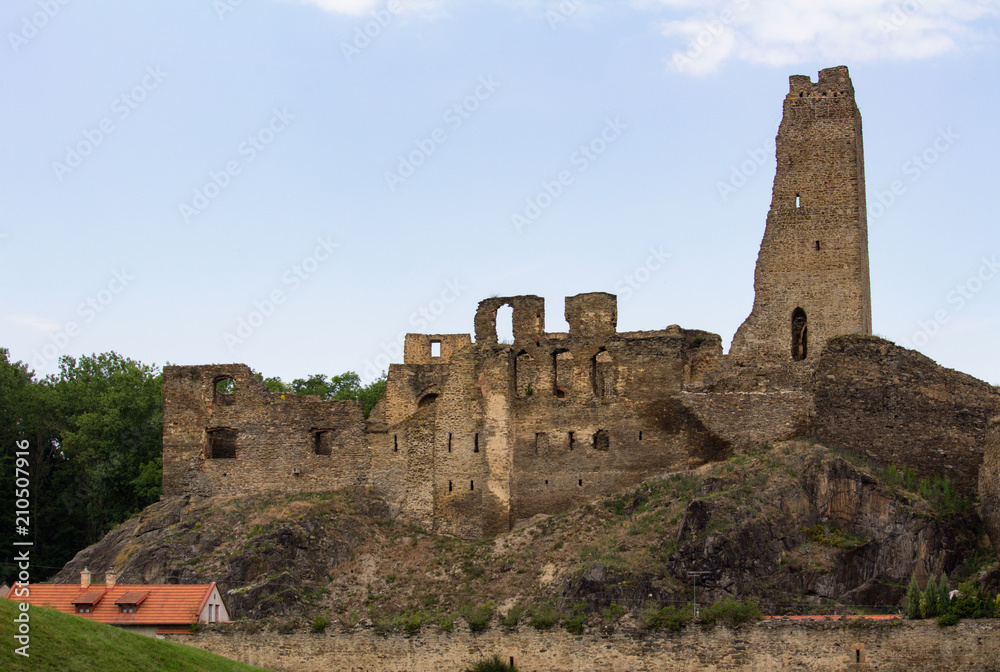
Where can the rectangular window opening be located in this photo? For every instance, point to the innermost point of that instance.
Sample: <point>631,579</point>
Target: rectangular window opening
<point>580,482</point>
<point>449,486</point>
<point>817,246</point>
<point>640,435</point>
<point>395,443</point>
<point>798,201</point>
<point>435,349</point>
<point>472,485</point>
<point>571,440</point>
<point>449,442</point>
<point>475,448</point>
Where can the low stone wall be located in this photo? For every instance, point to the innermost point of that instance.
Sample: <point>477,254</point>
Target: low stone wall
<point>771,646</point>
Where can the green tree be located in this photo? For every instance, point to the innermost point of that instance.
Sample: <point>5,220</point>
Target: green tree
<point>944,601</point>
<point>929,603</point>
<point>913,598</point>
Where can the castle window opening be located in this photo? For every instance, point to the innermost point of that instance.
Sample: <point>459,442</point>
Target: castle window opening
<point>449,486</point>
<point>224,389</point>
<point>601,440</point>
<point>475,447</point>
<point>222,444</point>
<point>505,324</point>
<point>546,481</point>
<point>798,201</point>
<point>640,435</point>
<point>571,440</point>
<point>427,400</point>
<point>449,442</point>
<point>395,443</point>
<point>602,375</point>
<point>562,373</point>
<point>580,482</point>
<point>472,485</point>
<point>817,246</point>
<point>523,375</point>
<point>435,349</point>
<point>857,656</point>
<point>322,442</point>
<point>800,335</point>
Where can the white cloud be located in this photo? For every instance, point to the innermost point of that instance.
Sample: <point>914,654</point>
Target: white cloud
<point>786,32</point>
<point>33,321</point>
<point>426,8</point>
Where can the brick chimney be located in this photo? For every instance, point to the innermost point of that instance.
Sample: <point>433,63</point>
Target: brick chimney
<point>109,579</point>
<point>85,579</point>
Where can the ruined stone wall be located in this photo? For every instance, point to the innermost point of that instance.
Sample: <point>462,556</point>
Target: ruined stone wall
<point>910,646</point>
<point>811,281</point>
<point>247,440</point>
<point>882,402</point>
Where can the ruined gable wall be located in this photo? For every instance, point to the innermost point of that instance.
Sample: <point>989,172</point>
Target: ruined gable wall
<point>814,254</point>
<point>272,436</point>
<point>616,424</point>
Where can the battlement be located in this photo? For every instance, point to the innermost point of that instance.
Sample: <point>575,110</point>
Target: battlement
<point>833,83</point>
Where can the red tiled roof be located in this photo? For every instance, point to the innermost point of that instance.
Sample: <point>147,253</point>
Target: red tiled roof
<point>164,605</point>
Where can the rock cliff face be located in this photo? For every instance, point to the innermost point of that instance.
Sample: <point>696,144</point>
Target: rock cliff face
<point>989,484</point>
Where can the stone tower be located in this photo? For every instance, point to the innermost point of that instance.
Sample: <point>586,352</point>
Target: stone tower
<point>811,282</point>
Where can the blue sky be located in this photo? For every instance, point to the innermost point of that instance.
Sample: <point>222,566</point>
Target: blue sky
<point>295,185</point>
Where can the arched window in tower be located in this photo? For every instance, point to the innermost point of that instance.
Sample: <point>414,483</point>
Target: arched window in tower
<point>800,335</point>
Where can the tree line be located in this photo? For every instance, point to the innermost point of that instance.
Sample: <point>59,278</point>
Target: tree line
<point>95,454</point>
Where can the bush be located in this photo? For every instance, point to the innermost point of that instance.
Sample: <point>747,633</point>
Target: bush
<point>478,618</point>
<point>669,617</point>
<point>731,612</point>
<point>574,622</point>
<point>493,664</point>
<point>950,618</point>
<point>319,623</point>
<point>544,616</point>
<point>612,612</point>
<point>512,616</point>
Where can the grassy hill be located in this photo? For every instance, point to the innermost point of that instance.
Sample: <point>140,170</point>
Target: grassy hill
<point>64,643</point>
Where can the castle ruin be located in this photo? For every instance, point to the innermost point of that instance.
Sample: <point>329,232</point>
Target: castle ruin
<point>473,436</point>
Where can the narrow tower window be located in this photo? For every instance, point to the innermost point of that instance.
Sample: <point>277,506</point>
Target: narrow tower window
<point>800,335</point>
<point>475,448</point>
<point>798,201</point>
<point>817,246</point>
<point>449,442</point>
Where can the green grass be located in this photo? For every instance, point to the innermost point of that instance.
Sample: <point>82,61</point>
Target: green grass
<point>64,643</point>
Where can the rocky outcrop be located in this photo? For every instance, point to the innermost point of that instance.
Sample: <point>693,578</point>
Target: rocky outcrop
<point>989,484</point>
<point>890,405</point>
<point>268,555</point>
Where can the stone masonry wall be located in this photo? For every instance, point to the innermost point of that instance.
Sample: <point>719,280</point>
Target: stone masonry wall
<point>770,646</point>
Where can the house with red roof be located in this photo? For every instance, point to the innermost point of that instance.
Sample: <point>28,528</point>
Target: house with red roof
<point>147,609</point>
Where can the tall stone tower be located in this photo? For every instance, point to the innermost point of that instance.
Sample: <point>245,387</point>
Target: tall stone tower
<point>811,281</point>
